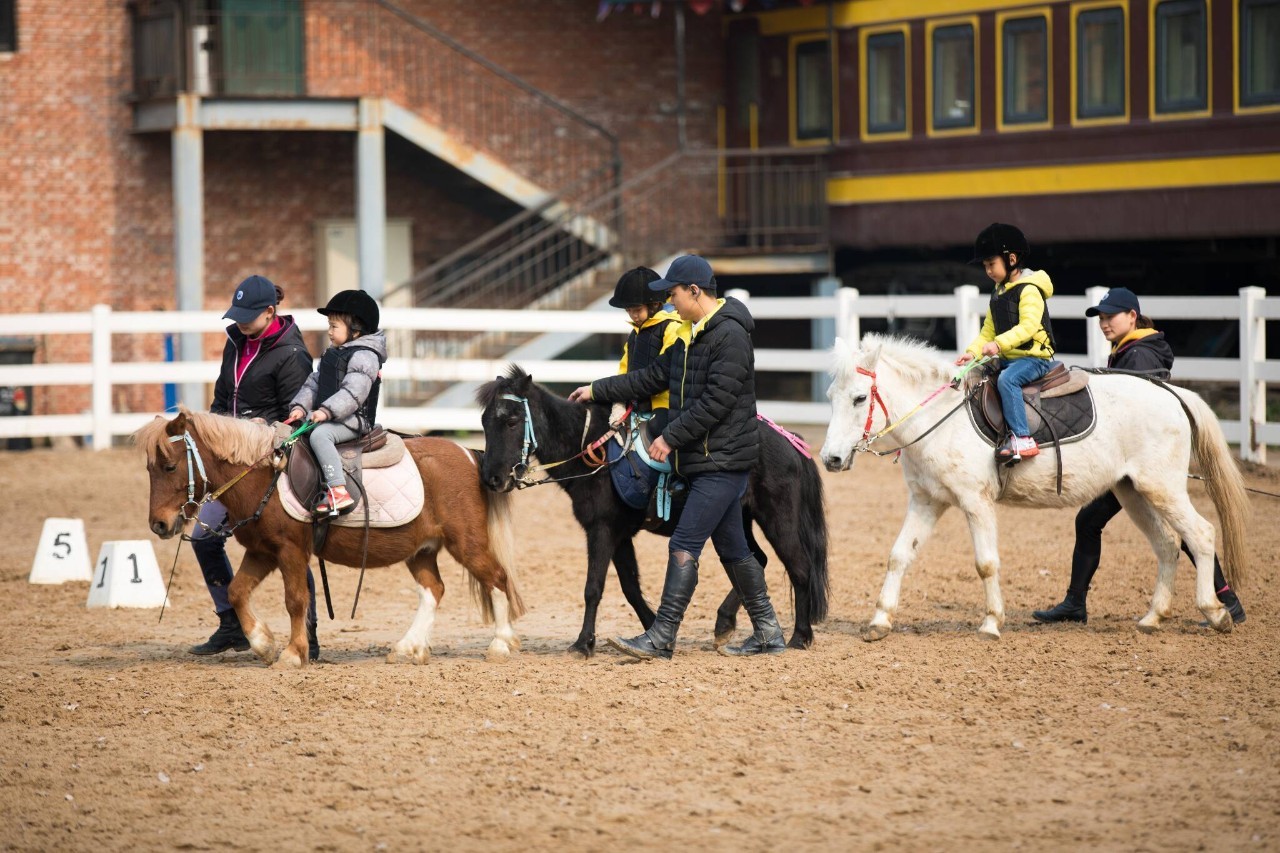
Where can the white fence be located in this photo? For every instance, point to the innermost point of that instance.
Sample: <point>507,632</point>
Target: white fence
<point>846,308</point>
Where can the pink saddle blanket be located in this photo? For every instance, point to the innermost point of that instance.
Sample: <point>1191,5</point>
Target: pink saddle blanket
<point>395,497</point>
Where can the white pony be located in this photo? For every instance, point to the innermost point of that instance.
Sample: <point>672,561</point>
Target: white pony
<point>1140,449</point>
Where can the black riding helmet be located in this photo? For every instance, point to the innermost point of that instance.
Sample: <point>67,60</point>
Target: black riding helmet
<point>1000,239</point>
<point>357,305</point>
<point>1003,240</point>
<point>633,290</point>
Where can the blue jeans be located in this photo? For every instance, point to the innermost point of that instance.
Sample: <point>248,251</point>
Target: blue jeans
<point>1016,373</point>
<point>714,511</point>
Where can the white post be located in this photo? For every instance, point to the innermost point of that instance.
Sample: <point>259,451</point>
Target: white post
<point>743,296</point>
<point>968,298</point>
<point>1095,342</point>
<point>1253,391</point>
<point>848,324</point>
<point>371,199</point>
<point>100,353</point>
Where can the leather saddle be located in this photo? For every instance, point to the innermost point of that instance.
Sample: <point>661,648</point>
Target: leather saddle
<point>1059,405</point>
<point>376,449</point>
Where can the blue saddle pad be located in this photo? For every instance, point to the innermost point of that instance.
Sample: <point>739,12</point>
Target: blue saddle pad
<point>633,480</point>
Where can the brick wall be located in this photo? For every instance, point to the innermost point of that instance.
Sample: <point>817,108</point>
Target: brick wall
<point>86,210</point>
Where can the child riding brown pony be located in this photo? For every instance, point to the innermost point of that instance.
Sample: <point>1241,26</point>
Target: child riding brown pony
<point>191,456</point>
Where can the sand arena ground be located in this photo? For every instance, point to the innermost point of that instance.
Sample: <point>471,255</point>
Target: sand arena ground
<point>113,737</point>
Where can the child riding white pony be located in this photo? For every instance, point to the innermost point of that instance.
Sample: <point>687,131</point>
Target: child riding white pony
<point>1143,424</point>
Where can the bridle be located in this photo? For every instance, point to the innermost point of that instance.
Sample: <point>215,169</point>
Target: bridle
<point>594,458</point>
<point>863,445</point>
<point>196,463</point>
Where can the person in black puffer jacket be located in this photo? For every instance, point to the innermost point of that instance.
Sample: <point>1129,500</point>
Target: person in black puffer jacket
<point>264,363</point>
<point>713,442</point>
<point>1136,347</point>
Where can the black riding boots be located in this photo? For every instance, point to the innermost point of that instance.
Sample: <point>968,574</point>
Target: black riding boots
<point>211,554</point>
<point>1071,609</point>
<point>747,577</point>
<point>229,636</point>
<point>677,591</point>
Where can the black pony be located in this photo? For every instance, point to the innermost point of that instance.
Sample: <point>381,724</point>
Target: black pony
<point>784,497</point>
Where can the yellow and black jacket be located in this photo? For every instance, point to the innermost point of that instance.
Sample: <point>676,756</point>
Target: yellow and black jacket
<point>646,342</point>
<point>1018,319</point>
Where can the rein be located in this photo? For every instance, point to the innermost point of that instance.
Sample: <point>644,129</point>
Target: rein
<point>196,463</point>
<point>590,452</point>
<point>864,444</point>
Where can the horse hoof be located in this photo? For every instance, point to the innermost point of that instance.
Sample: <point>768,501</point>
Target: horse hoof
<point>289,659</point>
<point>988,634</point>
<point>723,638</point>
<point>498,652</point>
<point>262,643</point>
<point>1222,624</point>
<point>580,650</point>
<point>799,643</point>
<point>1150,623</point>
<point>409,655</point>
<point>874,633</point>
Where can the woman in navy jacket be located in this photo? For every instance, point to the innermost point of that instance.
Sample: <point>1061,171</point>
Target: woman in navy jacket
<point>1136,347</point>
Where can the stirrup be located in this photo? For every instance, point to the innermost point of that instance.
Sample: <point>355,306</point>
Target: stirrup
<point>332,504</point>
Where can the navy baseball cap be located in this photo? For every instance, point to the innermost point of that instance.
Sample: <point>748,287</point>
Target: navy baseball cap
<point>1117,301</point>
<point>253,296</point>
<point>686,269</point>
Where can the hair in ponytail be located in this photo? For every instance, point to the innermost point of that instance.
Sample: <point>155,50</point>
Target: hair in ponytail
<point>1144,322</point>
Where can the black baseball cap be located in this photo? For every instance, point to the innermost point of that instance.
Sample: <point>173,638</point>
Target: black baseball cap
<point>253,296</point>
<point>1117,301</point>
<point>686,269</point>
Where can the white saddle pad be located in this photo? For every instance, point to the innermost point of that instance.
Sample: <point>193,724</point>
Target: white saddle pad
<point>395,497</point>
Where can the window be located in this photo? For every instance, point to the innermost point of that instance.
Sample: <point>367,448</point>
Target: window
<point>1025,96</point>
<point>886,84</point>
<point>953,76</point>
<point>1181,56</point>
<point>745,59</point>
<point>812,93</point>
<point>8,26</point>
<point>1259,52</point>
<point>1100,63</point>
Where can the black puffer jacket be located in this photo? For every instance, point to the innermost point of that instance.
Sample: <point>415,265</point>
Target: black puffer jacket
<point>711,377</point>
<point>275,374</point>
<point>1150,355</point>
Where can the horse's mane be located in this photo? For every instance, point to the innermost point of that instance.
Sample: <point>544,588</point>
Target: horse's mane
<point>912,358</point>
<point>488,393</point>
<point>237,441</point>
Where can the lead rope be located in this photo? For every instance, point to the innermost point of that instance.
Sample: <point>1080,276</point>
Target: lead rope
<point>864,445</point>
<point>196,462</point>
<point>521,470</point>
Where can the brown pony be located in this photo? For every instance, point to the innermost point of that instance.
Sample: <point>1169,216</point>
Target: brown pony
<point>459,514</point>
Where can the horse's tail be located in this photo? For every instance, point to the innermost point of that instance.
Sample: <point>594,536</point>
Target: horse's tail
<point>813,538</point>
<point>503,549</point>
<point>1225,483</point>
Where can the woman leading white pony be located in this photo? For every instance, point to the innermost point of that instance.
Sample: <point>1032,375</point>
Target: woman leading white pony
<point>1139,423</point>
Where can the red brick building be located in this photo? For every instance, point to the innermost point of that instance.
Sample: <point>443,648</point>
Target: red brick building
<point>87,194</point>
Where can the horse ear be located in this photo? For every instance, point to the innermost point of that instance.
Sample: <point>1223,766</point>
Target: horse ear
<point>871,357</point>
<point>179,423</point>
<point>522,383</point>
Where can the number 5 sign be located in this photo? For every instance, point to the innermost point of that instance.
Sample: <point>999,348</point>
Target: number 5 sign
<point>63,554</point>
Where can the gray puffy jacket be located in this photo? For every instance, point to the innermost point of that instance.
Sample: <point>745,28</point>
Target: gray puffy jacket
<point>362,370</point>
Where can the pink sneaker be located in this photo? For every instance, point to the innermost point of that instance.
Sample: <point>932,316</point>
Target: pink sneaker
<point>337,500</point>
<point>1018,448</point>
